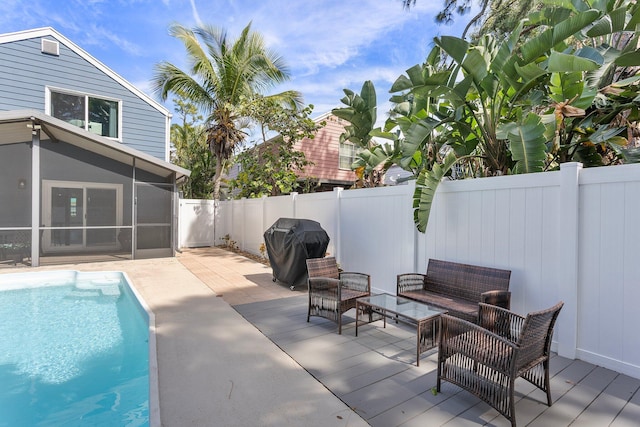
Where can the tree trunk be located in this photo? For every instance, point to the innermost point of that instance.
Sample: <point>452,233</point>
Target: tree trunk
<point>217,178</point>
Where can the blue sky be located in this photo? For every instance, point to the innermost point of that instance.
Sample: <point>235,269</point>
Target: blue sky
<point>328,44</point>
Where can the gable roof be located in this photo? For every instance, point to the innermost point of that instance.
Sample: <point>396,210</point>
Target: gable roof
<point>324,116</point>
<point>50,32</point>
<point>15,127</point>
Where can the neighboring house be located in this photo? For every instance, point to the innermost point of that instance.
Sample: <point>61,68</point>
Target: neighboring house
<point>331,158</point>
<point>84,157</point>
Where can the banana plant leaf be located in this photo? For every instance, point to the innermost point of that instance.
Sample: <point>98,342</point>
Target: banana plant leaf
<point>629,155</point>
<point>566,63</point>
<point>426,186</point>
<point>360,112</point>
<point>630,59</point>
<point>416,135</point>
<point>539,45</point>
<point>566,86</point>
<point>527,143</point>
<point>383,154</point>
<point>612,22</point>
<point>455,47</point>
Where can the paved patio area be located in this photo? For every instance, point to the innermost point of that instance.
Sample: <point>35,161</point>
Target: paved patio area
<point>234,349</point>
<point>234,278</point>
<point>375,373</point>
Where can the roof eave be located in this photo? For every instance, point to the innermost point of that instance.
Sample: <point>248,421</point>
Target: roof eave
<point>100,143</point>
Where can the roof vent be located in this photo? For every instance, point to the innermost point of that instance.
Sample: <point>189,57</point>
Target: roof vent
<point>50,47</point>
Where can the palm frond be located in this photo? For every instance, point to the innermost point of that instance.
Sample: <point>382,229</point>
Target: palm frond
<point>223,74</point>
<point>169,78</point>
<point>290,98</point>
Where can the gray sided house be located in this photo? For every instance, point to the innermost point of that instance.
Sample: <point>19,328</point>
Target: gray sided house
<point>83,158</point>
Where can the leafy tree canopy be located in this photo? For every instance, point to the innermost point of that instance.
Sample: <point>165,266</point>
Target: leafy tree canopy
<point>497,17</point>
<point>563,86</point>
<point>191,151</point>
<point>223,74</point>
<point>272,168</point>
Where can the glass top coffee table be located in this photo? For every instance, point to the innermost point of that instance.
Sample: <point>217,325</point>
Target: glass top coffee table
<point>424,317</point>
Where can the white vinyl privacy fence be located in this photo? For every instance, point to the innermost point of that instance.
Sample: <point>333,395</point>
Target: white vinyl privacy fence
<point>570,235</point>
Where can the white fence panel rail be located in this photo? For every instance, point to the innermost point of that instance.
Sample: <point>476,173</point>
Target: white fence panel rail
<point>504,222</point>
<point>377,234</point>
<point>609,268</point>
<point>322,207</point>
<point>570,235</point>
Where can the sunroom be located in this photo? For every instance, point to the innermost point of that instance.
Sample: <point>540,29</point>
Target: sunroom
<point>69,195</point>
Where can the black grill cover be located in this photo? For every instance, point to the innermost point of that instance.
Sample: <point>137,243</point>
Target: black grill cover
<point>289,243</point>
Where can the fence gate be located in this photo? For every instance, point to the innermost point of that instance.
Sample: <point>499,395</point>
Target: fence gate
<point>196,223</point>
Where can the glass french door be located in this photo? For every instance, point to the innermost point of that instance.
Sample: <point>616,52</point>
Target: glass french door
<point>80,216</point>
<point>66,211</point>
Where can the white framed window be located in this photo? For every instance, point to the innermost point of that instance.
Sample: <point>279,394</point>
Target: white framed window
<point>96,114</point>
<point>348,153</point>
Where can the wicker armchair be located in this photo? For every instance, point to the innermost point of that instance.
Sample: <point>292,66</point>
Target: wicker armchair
<point>485,359</point>
<point>331,292</point>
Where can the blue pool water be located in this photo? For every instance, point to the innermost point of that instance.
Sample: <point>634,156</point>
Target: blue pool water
<point>74,351</point>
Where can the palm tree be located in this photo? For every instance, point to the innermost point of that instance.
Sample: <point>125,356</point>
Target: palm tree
<point>222,79</point>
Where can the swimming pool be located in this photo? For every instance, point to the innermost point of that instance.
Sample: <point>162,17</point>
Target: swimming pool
<point>74,350</point>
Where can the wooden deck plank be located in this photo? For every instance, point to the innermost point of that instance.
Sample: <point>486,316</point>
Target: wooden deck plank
<point>376,375</point>
<point>369,366</point>
<point>372,377</point>
<point>566,409</point>
<point>630,414</point>
<point>606,407</point>
<point>380,396</point>
<point>450,405</point>
<point>404,412</point>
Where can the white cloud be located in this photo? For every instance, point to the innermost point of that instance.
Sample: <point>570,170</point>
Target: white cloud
<point>319,34</point>
<point>194,10</point>
<point>329,45</point>
<point>100,36</point>
<point>328,35</point>
<point>334,44</point>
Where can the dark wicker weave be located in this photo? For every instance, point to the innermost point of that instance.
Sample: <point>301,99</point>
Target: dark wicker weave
<point>457,287</point>
<point>331,292</point>
<point>485,359</point>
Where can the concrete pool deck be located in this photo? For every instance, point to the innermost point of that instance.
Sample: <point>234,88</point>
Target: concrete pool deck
<point>215,368</point>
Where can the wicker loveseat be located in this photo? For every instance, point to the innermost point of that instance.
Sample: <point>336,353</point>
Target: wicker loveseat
<point>457,288</point>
